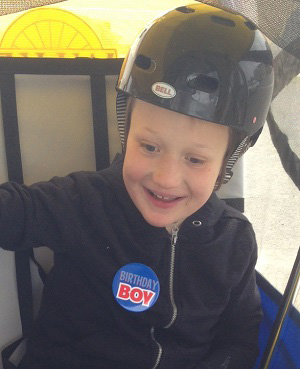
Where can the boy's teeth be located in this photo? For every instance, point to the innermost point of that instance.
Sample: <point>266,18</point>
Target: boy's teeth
<point>165,198</point>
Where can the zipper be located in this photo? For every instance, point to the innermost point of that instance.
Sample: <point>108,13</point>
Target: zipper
<point>159,349</point>
<point>174,237</point>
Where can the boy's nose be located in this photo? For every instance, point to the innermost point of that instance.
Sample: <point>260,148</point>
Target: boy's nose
<point>167,174</point>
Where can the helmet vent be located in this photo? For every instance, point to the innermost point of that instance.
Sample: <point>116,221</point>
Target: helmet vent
<point>143,62</point>
<point>223,21</point>
<point>202,82</point>
<point>250,25</point>
<point>185,9</point>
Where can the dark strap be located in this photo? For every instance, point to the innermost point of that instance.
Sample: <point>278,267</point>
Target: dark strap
<point>42,273</point>
<point>24,287</point>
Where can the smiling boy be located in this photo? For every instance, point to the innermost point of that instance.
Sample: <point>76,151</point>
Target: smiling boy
<point>151,269</point>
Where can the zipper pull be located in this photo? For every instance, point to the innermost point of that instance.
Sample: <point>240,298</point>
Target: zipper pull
<point>174,235</point>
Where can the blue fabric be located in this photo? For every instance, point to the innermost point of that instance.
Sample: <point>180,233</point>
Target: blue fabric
<point>287,351</point>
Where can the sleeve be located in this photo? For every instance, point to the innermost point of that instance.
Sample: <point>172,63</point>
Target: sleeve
<point>38,215</point>
<point>236,341</point>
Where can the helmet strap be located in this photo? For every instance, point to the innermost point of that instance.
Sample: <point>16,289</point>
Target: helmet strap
<point>121,105</point>
<point>238,152</point>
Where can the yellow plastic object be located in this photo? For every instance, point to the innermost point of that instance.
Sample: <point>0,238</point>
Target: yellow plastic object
<point>51,32</point>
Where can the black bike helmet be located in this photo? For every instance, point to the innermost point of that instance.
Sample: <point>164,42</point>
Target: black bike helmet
<point>204,62</point>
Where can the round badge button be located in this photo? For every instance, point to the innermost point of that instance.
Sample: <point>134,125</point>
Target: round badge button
<point>136,287</point>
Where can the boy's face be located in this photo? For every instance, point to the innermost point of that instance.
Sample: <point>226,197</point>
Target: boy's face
<point>171,163</point>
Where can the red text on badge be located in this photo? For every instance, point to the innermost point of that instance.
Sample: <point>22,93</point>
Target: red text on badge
<point>135,294</point>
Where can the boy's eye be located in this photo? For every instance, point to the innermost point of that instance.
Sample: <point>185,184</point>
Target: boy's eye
<point>194,160</point>
<point>149,147</point>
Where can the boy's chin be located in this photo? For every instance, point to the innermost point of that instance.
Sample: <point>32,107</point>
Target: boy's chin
<point>163,223</point>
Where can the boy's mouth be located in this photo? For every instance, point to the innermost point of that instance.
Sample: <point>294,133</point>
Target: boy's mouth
<point>163,198</point>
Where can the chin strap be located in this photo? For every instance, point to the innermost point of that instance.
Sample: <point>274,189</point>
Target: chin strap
<point>239,151</point>
<point>121,105</point>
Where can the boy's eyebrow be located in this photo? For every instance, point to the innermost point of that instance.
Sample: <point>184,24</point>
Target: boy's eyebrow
<point>201,146</point>
<point>150,130</point>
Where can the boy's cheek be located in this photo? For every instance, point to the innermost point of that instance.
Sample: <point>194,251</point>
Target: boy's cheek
<point>135,167</point>
<point>132,174</point>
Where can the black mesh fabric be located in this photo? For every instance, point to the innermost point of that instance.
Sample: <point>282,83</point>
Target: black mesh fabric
<point>14,6</point>
<point>279,21</point>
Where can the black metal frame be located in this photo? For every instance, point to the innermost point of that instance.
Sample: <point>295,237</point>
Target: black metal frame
<point>11,128</point>
<point>97,69</point>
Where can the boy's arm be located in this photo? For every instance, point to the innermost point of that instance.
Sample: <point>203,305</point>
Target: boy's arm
<point>236,342</point>
<point>33,216</point>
